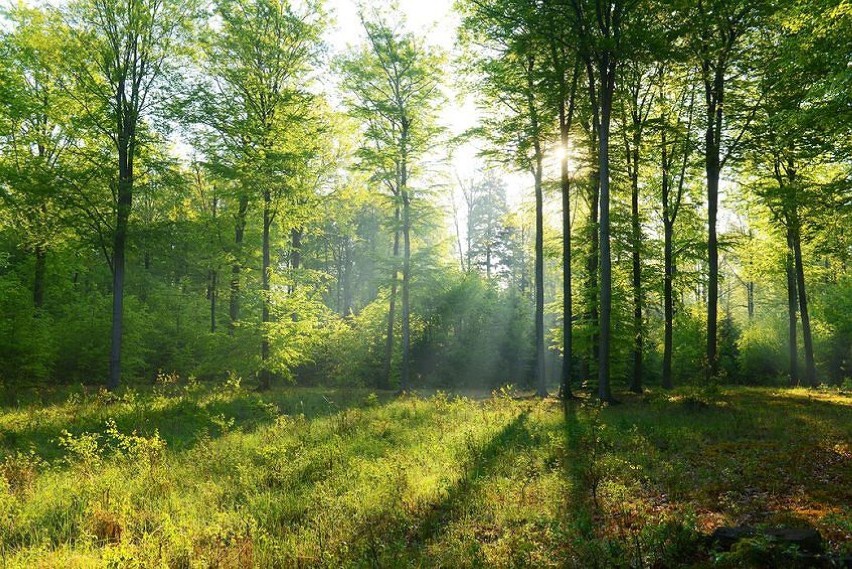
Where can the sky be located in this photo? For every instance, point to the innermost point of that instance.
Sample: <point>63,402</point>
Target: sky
<point>436,22</point>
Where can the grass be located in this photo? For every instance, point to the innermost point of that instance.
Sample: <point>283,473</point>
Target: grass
<point>194,476</point>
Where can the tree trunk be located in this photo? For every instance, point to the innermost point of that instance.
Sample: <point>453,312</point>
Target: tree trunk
<point>636,377</point>
<point>714,92</point>
<point>608,86</point>
<point>38,278</point>
<point>810,366</point>
<point>790,267</point>
<point>668,301</point>
<point>124,203</point>
<point>386,372</point>
<point>540,375</point>
<point>213,293</point>
<point>405,381</point>
<point>567,300</point>
<point>265,378</point>
<point>239,233</point>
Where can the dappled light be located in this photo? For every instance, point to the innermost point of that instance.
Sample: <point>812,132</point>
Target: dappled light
<point>445,283</point>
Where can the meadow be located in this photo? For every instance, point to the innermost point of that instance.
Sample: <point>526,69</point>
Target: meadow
<point>187,475</point>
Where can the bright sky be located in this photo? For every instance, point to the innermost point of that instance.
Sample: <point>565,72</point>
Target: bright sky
<point>435,21</point>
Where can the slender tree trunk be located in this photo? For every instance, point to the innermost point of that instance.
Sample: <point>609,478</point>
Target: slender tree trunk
<point>386,372</point>
<point>714,91</point>
<point>239,233</point>
<point>592,262</point>
<point>810,366</point>
<point>406,285</point>
<point>265,377</point>
<point>213,293</point>
<point>39,275</point>
<point>125,201</point>
<point>608,85</point>
<point>791,307</point>
<point>636,377</point>
<point>668,301</point>
<point>540,369</point>
<point>540,373</point>
<point>565,119</point>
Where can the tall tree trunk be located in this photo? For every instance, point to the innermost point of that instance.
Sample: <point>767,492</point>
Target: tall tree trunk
<point>636,377</point>
<point>714,94</point>
<point>239,233</point>
<point>810,366</point>
<point>668,300</point>
<point>790,267</point>
<point>592,261</point>
<point>386,372</point>
<point>213,293</point>
<point>39,274</point>
<point>607,88</point>
<point>405,382</point>
<point>265,377</point>
<point>565,119</point>
<point>567,292</point>
<point>540,370</point>
<point>124,204</point>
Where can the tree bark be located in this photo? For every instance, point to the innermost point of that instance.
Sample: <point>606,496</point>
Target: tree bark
<point>265,377</point>
<point>810,366</point>
<point>790,267</point>
<point>714,95</point>
<point>405,381</point>
<point>668,302</point>
<point>608,85</point>
<point>636,377</point>
<point>39,275</point>
<point>386,372</point>
<point>567,299</point>
<point>239,233</point>
<point>124,204</point>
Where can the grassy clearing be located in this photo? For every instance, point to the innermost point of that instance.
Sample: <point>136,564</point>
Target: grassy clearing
<point>188,476</point>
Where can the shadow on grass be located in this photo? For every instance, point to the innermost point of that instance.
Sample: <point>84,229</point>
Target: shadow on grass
<point>180,419</point>
<point>484,461</point>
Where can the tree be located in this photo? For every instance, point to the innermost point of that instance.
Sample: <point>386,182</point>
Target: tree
<point>34,143</point>
<point>393,84</point>
<point>123,54</point>
<point>256,101</point>
<point>603,33</point>
<point>719,43</point>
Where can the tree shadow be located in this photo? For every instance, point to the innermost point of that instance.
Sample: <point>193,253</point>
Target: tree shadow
<point>180,419</point>
<point>484,461</point>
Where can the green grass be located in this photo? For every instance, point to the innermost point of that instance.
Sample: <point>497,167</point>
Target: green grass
<point>193,476</point>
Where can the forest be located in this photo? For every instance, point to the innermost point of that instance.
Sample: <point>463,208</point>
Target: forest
<point>483,283</point>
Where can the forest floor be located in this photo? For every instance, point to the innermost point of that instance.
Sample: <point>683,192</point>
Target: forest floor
<point>187,475</point>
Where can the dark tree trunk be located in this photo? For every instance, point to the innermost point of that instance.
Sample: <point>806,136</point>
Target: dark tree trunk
<point>790,267</point>
<point>239,233</point>
<point>668,301</point>
<point>212,294</point>
<point>714,95</point>
<point>810,366</point>
<point>38,278</point>
<point>405,381</point>
<point>607,88</point>
<point>386,372</point>
<point>123,206</point>
<point>265,377</point>
<point>636,377</point>
<point>592,262</point>
<point>540,370</point>
<point>567,300</point>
